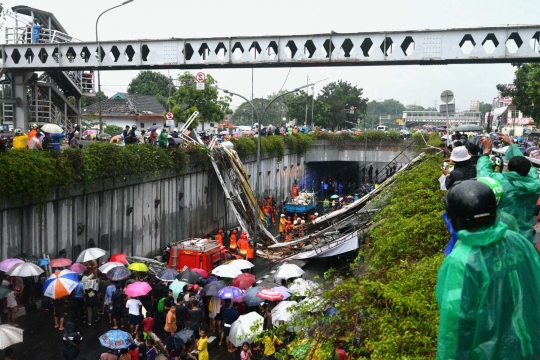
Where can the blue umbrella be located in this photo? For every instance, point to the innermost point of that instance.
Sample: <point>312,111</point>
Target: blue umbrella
<point>174,342</point>
<point>154,127</point>
<point>184,335</point>
<point>118,273</point>
<point>43,262</point>
<point>229,292</point>
<point>251,298</point>
<point>167,275</point>
<point>213,288</point>
<point>212,278</point>
<point>116,339</point>
<point>177,287</point>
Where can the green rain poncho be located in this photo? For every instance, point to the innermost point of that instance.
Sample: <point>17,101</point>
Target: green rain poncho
<point>163,139</point>
<point>489,297</point>
<point>520,192</point>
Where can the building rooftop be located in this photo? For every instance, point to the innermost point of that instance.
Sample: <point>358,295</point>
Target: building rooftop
<point>122,104</point>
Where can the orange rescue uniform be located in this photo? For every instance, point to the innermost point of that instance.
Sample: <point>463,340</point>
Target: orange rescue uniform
<point>219,239</point>
<point>250,252</point>
<point>244,246</point>
<point>232,242</point>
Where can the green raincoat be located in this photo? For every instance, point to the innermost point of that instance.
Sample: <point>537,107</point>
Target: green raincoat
<point>163,139</point>
<point>520,192</point>
<point>489,297</point>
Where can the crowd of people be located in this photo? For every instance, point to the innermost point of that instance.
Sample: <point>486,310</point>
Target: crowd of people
<point>487,287</point>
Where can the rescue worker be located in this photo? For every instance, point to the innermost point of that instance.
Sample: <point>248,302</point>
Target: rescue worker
<point>243,246</point>
<point>487,288</point>
<point>520,183</point>
<point>31,134</point>
<point>294,191</point>
<point>232,241</point>
<point>282,224</point>
<point>219,237</point>
<point>251,252</point>
<point>267,217</point>
<point>19,140</point>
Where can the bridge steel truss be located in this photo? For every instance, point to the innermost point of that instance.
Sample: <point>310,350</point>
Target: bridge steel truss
<point>505,44</point>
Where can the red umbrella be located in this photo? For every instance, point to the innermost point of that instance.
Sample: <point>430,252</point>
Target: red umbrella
<point>271,295</point>
<point>118,257</point>
<point>201,272</point>
<point>243,281</point>
<point>61,262</point>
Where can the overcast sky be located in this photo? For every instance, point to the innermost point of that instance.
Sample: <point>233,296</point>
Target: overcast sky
<point>421,85</point>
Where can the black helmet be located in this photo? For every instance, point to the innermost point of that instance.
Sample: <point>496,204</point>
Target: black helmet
<point>470,204</point>
<point>134,127</point>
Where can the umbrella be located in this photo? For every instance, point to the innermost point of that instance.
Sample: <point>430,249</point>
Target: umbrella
<point>301,287</point>
<point>251,298</point>
<point>138,288</point>
<point>269,294</point>
<point>350,197</point>
<point>283,291</point>
<point>116,339</point>
<point>4,290</point>
<point>340,199</point>
<point>25,269</point>
<point>213,288</point>
<point>52,129</point>
<point>87,132</point>
<point>469,127</point>
<point>118,273</point>
<point>43,262</point>
<point>245,328</point>
<point>189,276</point>
<point>104,135</point>
<point>334,197</point>
<point>108,266</point>
<point>10,335</point>
<point>201,272</point>
<point>229,292</point>
<point>60,284</point>
<point>174,343</point>
<point>28,258</point>
<point>60,263</point>
<point>287,271</point>
<point>154,127</point>
<point>241,264</point>
<point>136,266</point>
<point>531,149</point>
<point>167,275</point>
<point>314,304</point>
<point>90,254</point>
<point>78,268</point>
<point>9,263</point>
<point>527,132</point>
<point>227,271</point>
<point>248,132</point>
<point>240,298</point>
<point>282,312</point>
<point>177,287</point>
<point>243,281</point>
<point>224,133</point>
<point>185,335</point>
<point>119,257</point>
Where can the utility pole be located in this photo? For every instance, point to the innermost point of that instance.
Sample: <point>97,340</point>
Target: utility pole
<point>312,105</point>
<point>307,92</point>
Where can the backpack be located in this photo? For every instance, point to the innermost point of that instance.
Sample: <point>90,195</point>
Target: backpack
<point>161,305</point>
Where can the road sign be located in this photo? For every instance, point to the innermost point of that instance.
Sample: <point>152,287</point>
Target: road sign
<point>169,123</point>
<point>169,116</point>
<point>447,96</point>
<point>200,86</point>
<point>200,77</point>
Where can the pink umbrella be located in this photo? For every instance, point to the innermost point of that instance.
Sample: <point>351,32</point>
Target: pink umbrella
<point>9,263</point>
<point>283,291</point>
<point>139,288</point>
<point>243,281</point>
<point>201,272</point>
<point>270,295</point>
<point>59,263</point>
<point>78,268</point>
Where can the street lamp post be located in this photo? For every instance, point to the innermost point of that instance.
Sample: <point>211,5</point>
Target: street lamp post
<point>99,61</point>
<point>260,118</point>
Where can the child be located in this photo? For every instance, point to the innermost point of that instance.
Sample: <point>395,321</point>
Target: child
<point>151,352</point>
<point>12,304</point>
<point>246,352</point>
<point>148,322</point>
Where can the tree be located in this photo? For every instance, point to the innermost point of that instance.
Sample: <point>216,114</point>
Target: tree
<point>187,99</point>
<point>151,83</point>
<point>414,108</point>
<point>113,129</point>
<point>525,91</point>
<point>484,108</point>
<point>296,109</point>
<point>90,100</point>
<point>376,109</point>
<point>338,97</point>
<point>273,115</point>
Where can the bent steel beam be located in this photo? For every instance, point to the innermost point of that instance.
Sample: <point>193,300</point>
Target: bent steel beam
<point>427,47</point>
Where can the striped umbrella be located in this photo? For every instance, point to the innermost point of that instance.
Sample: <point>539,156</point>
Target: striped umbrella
<point>60,284</point>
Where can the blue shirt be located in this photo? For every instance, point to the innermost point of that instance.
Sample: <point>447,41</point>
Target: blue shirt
<point>109,292</point>
<point>231,315</point>
<point>35,33</point>
<point>79,291</point>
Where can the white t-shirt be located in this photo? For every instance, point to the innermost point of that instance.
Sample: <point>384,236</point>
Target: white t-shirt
<point>33,142</point>
<point>10,299</point>
<point>134,306</point>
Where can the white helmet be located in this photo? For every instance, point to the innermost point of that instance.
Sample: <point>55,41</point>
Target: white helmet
<point>316,214</point>
<point>303,222</point>
<point>295,222</point>
<point>18,131</point>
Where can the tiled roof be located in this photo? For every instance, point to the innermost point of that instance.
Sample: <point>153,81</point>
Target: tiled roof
<point>122,104</point>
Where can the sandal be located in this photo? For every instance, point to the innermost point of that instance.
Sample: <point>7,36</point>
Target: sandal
<point>61,328</point>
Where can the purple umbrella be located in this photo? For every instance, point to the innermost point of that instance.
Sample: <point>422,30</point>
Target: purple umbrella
<point>229,292</point>
<point>283,291</point>
<point>8,264</point>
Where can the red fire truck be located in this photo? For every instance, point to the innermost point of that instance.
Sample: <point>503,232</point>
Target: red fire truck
<point>199,253</point>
